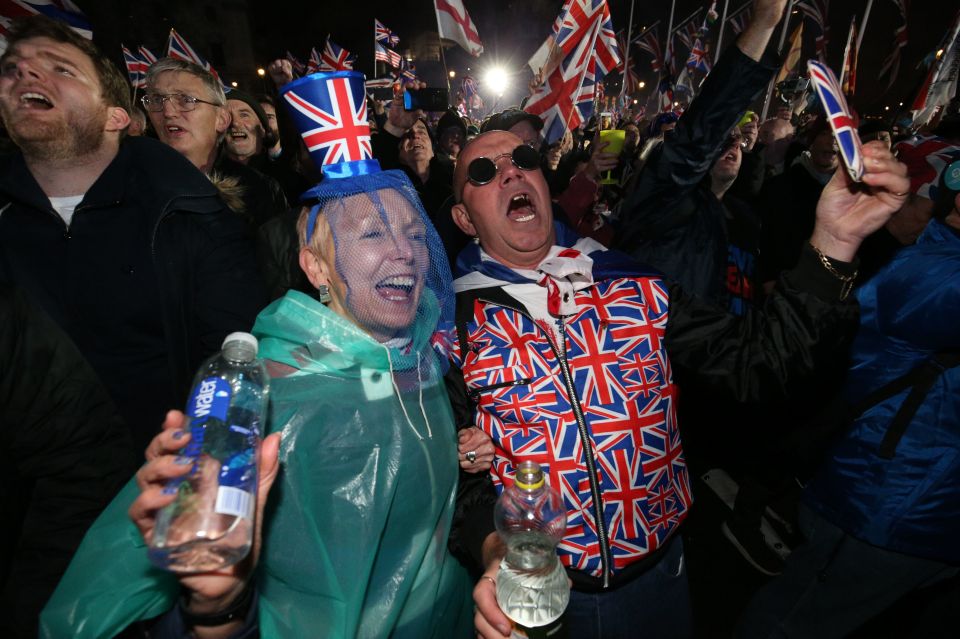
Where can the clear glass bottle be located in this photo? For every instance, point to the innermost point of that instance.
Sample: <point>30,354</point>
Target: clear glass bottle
<point>532,586</point>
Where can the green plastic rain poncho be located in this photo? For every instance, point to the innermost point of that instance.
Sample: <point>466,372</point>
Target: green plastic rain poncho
<point>357,522</point>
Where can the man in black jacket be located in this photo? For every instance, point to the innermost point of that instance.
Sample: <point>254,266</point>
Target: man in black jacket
<point>122,242</point>
<point>66,453</point>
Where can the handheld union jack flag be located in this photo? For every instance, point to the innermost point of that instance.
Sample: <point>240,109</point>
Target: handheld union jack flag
<point>313,62</point>
<point>330,111</point>
<point>336,58</point>
<point>699,57</point>
<point>147,55</point>
<point>179,49</point>
<point>838,115</point>
<point>298,67</point>
<point>136,68</point>
<point>383,34</point>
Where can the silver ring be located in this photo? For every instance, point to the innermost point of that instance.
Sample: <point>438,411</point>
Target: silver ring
<point>471,456</point>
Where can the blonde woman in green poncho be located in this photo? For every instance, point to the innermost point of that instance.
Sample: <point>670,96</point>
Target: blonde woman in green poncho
<point>354,529</point>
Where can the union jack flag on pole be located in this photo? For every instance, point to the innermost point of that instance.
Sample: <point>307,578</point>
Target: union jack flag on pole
<point>331,114</point>
<point>335,58</point>
<point>891,65</point>
<point>179,49</point>
<point>298,67</point>
<point>816,11</point>
<point>313,62</point>
<point>648,42</point>
<point>383,34</point>
<point>136,68</point>
<point>940,84</point>
<point>147,55</point>
<point>839,116</point>
<point>62,10</point>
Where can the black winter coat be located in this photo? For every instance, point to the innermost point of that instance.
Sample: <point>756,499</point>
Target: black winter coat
<point>65,454</point>
<point>672,221</point>
<point>150,276</point>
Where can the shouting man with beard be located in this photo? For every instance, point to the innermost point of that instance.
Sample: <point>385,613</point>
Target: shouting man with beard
<point>120,240</point>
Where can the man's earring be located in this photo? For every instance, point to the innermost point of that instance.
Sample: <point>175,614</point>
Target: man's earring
<point>323,293</point>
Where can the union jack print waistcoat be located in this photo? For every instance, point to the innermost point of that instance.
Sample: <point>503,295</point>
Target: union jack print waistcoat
<point>600,403</point>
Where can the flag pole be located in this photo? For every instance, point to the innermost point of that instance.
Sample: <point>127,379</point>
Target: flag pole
<point>374,47</point>
<point>668,50</point>
<point>443,57</point>
<point>626,56</point>
<point>723,23</point>
<point>863,26</point>
<point>773,80</point>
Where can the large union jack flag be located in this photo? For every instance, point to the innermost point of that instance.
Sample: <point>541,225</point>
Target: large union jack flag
<point>838,115</point>
<point>586,39</point>
<point>335,58</point>
<point>333,120</point>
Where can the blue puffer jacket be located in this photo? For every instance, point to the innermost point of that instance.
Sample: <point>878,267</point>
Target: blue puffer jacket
<point>909,504</point>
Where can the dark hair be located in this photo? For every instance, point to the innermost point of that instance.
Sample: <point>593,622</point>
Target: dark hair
<point>113,86</point>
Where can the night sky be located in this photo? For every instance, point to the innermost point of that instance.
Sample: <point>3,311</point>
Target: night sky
<point>511,31</point>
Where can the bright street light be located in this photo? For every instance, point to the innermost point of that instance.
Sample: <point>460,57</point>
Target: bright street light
<point>641,84</point>
<point>497,80</point>
<point>453,74</point>
<point>261,72</point>
<point>233,84</point>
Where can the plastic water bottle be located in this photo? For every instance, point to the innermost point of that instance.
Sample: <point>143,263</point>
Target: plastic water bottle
<point>532,586</point>
<point>210,524</point>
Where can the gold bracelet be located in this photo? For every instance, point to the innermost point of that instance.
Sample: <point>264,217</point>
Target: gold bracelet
<point>847,280</point>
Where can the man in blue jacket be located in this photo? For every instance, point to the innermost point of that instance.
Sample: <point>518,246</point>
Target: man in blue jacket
<point>882,516</point>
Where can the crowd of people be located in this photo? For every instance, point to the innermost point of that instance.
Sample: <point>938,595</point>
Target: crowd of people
<point>718,298</point>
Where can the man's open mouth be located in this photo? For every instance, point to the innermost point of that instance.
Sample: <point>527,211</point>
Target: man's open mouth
<point>35,100</point>
<point>521,208</point>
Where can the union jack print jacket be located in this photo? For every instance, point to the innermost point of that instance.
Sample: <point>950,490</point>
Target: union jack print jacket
<point>592,399</point>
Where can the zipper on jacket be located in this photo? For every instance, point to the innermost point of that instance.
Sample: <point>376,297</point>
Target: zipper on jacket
<point>475,392</point>
<point>588,458</point>
<point>603,538</point>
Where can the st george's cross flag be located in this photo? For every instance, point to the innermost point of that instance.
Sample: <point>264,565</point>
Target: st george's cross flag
<point>454,23</point>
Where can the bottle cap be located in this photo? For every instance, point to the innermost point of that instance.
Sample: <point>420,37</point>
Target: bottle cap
<point>529,476</point>
<point>240,336</point>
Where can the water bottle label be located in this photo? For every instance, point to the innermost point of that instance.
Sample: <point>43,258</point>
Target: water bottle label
<point>233,501</point>
<point>210,399</point>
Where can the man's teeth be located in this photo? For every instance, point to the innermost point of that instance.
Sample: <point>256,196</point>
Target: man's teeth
<point>35,97</point>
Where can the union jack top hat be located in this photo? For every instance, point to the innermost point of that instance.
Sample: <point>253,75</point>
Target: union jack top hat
<point>330,111</point>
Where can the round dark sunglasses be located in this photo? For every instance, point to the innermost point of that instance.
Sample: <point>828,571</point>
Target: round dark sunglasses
<point>483,170</point>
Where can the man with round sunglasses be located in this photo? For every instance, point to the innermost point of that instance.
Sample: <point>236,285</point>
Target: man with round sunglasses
<point>563,350</point>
